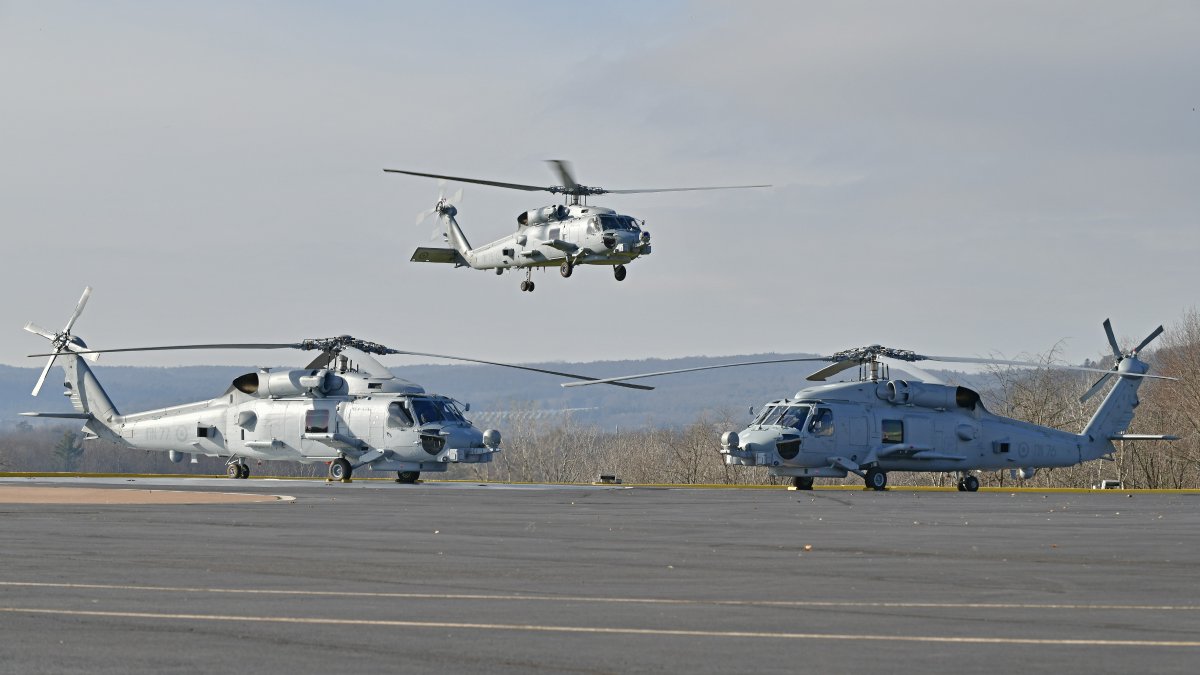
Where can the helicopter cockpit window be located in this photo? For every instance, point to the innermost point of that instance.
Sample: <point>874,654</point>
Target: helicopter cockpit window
<point>451,412</point>
<point>794,416</point>
<point>398,417</point>
<point>426,411</point>
<point>774,415</point>
<point>629,223</point>
<point>822,422</point>
<point>316,422</point>
<point>593,226</point>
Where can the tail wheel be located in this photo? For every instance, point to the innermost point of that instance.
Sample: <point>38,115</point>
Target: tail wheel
<point>802,482</point>
<point>565,269</point>
<point>619,272</point>
<point>340,469</point>
<point>407,477</point>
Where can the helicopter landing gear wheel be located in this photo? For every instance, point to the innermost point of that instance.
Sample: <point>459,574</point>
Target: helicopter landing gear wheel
<point>565,269</point>
<point>802,482</point>
<point>243,471</point>
<point>527,285</point>
<point>876,479</point>
<point>233,470</point>
<point>407,477</point>
<point>619,272</point>
<point>969,484</point>
<point>340,470</point>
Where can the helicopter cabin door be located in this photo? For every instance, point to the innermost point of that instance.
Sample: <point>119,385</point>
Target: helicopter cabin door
<point>918,431</point>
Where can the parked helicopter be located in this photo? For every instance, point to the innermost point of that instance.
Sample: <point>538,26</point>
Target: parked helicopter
<point>876,424</point>
<point>563,236</point>
<point>343,408</point>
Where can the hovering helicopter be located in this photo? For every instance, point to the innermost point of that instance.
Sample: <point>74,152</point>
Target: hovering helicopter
<point>563,235</point>
<point>876,424</point>
<point>343,408</point>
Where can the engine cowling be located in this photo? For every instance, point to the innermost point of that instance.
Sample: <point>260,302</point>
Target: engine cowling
<point>545,214</point>
<point>921,394</point>
<point>266,384</point>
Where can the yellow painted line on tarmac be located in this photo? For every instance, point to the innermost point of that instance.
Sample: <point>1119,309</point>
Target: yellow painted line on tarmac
<point>829,604</point>
<point>854,487</point>
<point>596,630</point>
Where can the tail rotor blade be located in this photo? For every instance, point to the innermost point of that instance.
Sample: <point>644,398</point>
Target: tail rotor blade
<point>425,214</point>
<point>1112,340</point>
<point>86,353</point>
<point>1149,338</point>
<point>42,378</point>
<point>456,198</point>
<point>38,330</point>
<point>87,292</point>
<point>1095,387</point>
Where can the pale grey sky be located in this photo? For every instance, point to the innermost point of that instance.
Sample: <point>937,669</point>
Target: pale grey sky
<point>955,178</point>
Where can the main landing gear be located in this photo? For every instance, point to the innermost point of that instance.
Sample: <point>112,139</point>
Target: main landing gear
<point>619,272</point>
<point>236,468</point>
<point>340,470</point>
<point>527,285</point>
<point>566,268</point>
<point>407,477</point>
<point>875,479</point>
<point>968,483</point>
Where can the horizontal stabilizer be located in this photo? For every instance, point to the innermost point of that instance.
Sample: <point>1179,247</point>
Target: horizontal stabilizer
<point>1142,437</point>
<point>64,415</point>
<point>438,255</point>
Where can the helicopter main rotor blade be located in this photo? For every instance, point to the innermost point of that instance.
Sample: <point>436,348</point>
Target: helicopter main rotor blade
<point>479,181</point>
<point>588,380</point>
<point>563,168</point>
<point>1035,364</point>
<point>1149,338</point>
<point>684,189</point>
<point>832,369</point>
<point>281,345</point>
<point>621,378</point>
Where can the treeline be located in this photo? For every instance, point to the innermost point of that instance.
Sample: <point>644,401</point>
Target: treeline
<point>563,450</point>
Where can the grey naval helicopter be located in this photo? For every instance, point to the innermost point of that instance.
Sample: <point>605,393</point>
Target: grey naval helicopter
<point>344,408</point>
<point>564,235</point>
<point>876,424</point>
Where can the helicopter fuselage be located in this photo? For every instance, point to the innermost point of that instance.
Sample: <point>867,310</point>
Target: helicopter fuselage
<point>830,430</point>
<point>396,427</point>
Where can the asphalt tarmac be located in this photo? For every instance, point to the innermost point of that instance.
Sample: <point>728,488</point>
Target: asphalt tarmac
<point>439,577</point>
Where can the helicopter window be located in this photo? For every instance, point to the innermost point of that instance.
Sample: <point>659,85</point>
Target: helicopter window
<point>553,234</point>
<point>794,416</point>
<point>774,416</point>
<point>398,416</point>
<point>426,411</point>
<point>450,411</point>
<point>608,222</point>
<point>316,422</point>
<point>593,226</point>
<point>893,431</point>
<point>822,422</point>
<point>629,223</point>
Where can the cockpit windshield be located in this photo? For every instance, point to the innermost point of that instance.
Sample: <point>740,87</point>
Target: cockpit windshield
<point>435,410</point>
<point>608,222</point>
<point>783,415</point>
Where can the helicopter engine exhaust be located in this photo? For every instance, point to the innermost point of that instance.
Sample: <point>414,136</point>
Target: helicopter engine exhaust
<point>545,214</point>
